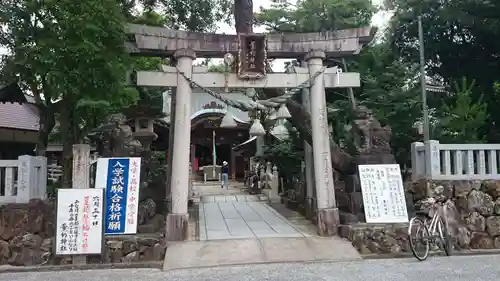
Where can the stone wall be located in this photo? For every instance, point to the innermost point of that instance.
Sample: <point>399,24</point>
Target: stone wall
<point>27,236</point>
<point>378,238</point>
<point>471,210</point>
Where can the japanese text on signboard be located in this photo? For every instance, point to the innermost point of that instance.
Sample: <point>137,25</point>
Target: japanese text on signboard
<point>121,179</point>
<point>79,217</point>
<point>383,194</point>
<point>116,193</point>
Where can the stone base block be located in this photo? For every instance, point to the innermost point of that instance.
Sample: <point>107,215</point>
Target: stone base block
<point>328,222</point>
<point>347,218</point>
<point>352,183</point>
<point>309,208</point>
<point>177,227</point>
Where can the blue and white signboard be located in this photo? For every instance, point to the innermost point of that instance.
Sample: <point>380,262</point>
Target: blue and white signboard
<point>120,177</point>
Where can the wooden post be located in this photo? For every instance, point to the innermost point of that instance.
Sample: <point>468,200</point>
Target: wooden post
<point>41,184</point>
<point>81,179</point>
<point>233,164</point>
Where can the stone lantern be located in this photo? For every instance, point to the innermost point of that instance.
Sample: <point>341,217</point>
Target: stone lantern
<point>143,125</point>
<point>143,121</point>
<point>144,130</point>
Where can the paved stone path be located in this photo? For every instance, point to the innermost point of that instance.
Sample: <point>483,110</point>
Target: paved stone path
<point>241,218</point>
<point>237,228</point>
<point>231,214</point>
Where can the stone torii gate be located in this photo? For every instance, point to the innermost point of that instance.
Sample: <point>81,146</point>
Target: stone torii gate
<point>312,48</point>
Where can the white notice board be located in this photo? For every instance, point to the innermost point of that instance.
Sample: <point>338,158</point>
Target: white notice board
<point>79,221</point>
<point>383,193</point>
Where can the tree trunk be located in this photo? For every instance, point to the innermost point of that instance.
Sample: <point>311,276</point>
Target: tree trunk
<point>47,123</point>
<point>243,16</point>
<point>67,141</point>
<point>301,119</point>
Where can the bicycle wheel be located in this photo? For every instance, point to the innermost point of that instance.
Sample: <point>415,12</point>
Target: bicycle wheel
<point>444,237</point>
<point>419,237</point>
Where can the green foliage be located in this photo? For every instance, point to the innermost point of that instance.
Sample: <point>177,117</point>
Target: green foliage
<point>157,169</point>
<point>387,89</point>
<point>458,42</point>
<point>463,118</point>
<point>286,155</point>
<point>70,55</point>
<point>313,16</point>
<point>220,68</point>
<point>200,15</point>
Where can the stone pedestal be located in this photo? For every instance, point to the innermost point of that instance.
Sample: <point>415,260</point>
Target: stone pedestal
<point>177,227</point>
<point>309,207</point>
<point>328,221</point>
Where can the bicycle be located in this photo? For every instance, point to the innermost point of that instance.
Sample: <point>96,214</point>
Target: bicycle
<point>430,229</point>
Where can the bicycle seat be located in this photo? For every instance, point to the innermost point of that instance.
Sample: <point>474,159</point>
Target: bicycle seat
<point>422,213</point>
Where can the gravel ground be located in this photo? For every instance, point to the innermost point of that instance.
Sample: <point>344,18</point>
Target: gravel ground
<point>465,268</point>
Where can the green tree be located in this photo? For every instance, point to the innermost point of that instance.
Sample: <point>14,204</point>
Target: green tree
<point>200,15</point>
<point>458,42</point>
<point>388,88</point>
<point>70,55</point>
<point>387,82</point>
<point>314,16</point>
<point>462,117</point>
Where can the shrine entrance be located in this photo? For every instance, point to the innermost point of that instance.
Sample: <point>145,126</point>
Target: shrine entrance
<point>210,143</point>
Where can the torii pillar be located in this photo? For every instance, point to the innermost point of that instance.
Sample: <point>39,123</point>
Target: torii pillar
<point>328,213</point>
<point>177,218</point>
<point>157,41</point>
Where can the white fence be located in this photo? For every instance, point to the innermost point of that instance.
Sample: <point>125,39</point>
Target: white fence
<point>55,171</point>
<point>437,161</point>
<point>23,179</point>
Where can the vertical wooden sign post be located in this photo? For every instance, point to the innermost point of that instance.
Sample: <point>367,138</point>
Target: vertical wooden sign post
<point>81,179</point>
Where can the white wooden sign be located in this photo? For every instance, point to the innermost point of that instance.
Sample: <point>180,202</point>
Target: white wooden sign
<point>79,221</point>
<point>120,178</point>
<point>383,193</point>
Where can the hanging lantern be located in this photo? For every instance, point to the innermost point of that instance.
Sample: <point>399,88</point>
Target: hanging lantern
<point>257,130</point>
<point>280,131</point>
<point>283,112</point>
<point>228,121</point>
<point>272,114</point>
<point>250,92</point>
<point>330,128</point>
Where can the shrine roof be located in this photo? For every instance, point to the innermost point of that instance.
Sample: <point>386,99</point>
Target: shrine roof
<point>11,93</point>
<point>23,116</point>
<point>203,103</point>
<point>163,42</point>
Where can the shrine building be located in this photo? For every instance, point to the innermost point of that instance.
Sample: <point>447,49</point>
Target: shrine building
<point>233,145</point>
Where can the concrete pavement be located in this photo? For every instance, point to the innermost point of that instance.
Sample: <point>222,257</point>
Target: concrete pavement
<point>194,254</point>
<point>237,228</point>
<point>463,268</point>
<point>242,220</point>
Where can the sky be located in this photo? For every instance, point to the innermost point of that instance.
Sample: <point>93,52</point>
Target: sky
<point>379,20</point>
